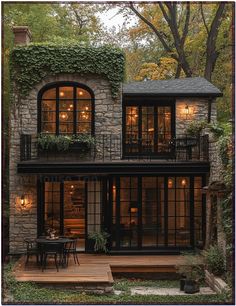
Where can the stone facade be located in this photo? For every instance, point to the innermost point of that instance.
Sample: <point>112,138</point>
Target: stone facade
<point>198,111</point>
<point>108,119</point>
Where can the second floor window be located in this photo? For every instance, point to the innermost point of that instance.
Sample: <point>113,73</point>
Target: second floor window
<point>148,128</point>
<point>66,109</point>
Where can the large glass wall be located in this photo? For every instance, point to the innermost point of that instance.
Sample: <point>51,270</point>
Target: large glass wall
<point>151,212</point>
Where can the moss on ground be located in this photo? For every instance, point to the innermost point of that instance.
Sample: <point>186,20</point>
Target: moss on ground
<point>30,293</point>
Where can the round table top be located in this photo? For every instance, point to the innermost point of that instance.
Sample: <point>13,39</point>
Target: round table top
<point>49,240</point>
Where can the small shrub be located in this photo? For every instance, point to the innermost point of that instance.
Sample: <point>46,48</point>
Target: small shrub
<point>195,128</point>
<point>214,259</point>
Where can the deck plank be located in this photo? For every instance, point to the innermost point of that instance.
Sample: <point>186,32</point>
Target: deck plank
<point>95,268</point>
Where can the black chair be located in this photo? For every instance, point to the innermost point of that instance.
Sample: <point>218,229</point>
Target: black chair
<point>54,249</point>
<point>31,250</point>
<point>70,248</point>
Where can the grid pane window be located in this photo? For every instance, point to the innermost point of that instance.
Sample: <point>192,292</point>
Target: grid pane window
<point>66,110</point>
<point>148,129</point>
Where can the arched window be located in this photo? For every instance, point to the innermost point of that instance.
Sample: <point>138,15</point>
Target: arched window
<point>66,109</point>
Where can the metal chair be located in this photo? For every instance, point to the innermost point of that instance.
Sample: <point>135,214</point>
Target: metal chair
<point>54,249</point>
<point>70,248</point>
<point>31,250</point>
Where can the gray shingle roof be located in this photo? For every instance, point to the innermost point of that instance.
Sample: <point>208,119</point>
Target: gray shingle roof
<point>176,87</point>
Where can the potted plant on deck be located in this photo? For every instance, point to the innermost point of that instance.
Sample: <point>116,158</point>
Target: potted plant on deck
<point>100,240</point>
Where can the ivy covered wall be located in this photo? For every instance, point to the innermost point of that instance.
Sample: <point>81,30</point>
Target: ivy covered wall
<point>31,63</point>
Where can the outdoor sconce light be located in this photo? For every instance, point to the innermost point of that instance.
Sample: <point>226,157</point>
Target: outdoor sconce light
<point>186,111</point>
<point>23,202</point>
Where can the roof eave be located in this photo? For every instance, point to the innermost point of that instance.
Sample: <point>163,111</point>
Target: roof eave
<point>213,95</point>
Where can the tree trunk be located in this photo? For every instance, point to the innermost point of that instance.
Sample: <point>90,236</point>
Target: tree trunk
<point>211,53</point>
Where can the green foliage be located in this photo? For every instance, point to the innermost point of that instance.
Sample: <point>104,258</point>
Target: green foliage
<point>30,64</point>
<point>195,128</point>
<point>192,267</point>
<point>84,139</point>
<point>214,260</point>
<point>47,142</point>
<point>29,293</point>
<point>224,143</point>
<point>100,239</point>
<point>226,204</point>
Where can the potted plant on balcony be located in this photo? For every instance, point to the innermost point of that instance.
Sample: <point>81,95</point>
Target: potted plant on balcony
<point>99,241</point>
<point>192,273</point>
<point>53,143</point>
<point>83,142</point>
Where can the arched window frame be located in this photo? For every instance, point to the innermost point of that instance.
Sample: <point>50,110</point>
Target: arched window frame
<point>56,85</point>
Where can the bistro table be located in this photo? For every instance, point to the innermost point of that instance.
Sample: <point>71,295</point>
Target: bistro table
<point>48,241</point>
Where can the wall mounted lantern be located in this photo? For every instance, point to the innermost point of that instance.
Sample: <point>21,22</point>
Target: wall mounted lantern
<point>23,202</point>
<point>186,111</point>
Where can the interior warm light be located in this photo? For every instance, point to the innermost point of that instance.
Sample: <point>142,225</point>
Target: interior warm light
<point>170,183</point>
<point>133,209</point>
<point>62,94</point>
<point>81,93</point>
<point>68,109</point>
<point>63,116</point>
<point>86,108</point>
<point>71,105</point>
<point>183,182</point>
<point>132,116</point>
<point>151,130</point>
<point>72,186</point>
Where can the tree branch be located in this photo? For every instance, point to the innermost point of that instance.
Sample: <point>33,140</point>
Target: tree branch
<point>186,24</point>
<point>158,34</point>
<point>203,18</point>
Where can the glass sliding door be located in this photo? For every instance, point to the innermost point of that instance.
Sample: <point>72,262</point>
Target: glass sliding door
<point>151,212</point>
<point>148,129</point>
<point>153,223</point>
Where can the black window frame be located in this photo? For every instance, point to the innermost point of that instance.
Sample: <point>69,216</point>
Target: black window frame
<point>57,85</point>
<point>142,101</point>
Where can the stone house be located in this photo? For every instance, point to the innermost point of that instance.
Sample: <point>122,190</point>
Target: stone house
<point>130,169</point>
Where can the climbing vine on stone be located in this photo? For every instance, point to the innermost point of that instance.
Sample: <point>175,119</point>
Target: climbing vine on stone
<point>30,64</point>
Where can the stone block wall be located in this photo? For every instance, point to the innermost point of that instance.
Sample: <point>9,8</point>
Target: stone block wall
<point>198,111</point>
<point>108,120</point>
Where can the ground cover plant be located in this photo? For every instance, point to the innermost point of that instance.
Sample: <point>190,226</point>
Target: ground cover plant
<point>29,293</point>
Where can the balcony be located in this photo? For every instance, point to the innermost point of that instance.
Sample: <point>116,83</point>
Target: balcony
<point>110,147</point>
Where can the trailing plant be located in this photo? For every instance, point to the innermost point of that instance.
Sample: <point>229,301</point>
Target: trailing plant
<point>214,260</point>
<point>100,241</point>
<point>195,128</point>
<point>30,64</point>
<point>47,142</point>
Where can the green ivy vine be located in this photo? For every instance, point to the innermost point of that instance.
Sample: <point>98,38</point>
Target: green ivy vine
<point>30,64</point>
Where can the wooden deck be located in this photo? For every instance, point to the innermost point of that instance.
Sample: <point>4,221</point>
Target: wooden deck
<point>95,269</point>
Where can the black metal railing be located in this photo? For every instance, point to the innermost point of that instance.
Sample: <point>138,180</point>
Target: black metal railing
<point>110,147</point>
